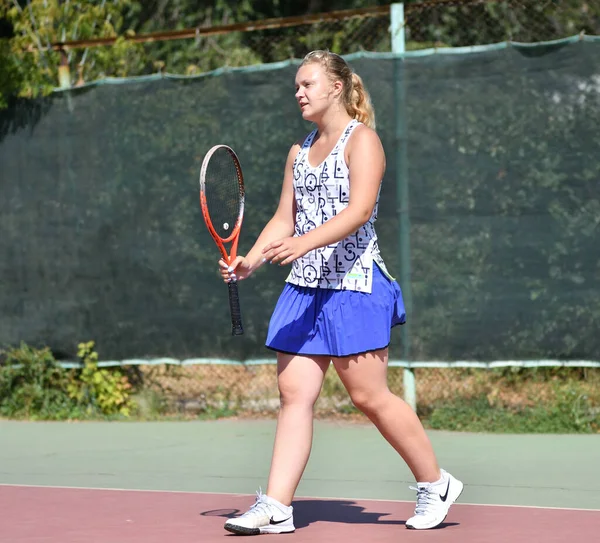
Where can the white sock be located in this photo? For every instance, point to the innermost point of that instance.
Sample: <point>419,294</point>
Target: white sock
<point>442,480</point>
<point>277,504</point>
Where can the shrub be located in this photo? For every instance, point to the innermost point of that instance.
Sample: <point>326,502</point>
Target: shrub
<point>34,386</point>
<point>100,390</point>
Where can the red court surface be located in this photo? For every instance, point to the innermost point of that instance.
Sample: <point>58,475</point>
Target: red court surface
<point>66,515</point>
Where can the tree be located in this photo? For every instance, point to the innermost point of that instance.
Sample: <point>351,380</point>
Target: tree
<point>27,28</point>
<point>31,67</point>
<point>187,56</point>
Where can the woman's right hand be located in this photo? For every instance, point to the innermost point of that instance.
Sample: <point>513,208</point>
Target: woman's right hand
<point>239,269</point>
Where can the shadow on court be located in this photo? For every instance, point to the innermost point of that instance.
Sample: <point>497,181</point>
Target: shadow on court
<point>307,512</point>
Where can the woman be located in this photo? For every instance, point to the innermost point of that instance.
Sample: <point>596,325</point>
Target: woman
<point>339,302</point>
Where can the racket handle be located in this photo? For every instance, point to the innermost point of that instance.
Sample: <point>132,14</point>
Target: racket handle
<point>234,306</point>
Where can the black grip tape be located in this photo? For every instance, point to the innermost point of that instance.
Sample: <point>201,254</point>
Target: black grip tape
<point>234,306</point>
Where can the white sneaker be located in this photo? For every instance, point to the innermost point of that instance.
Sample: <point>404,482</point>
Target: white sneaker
<point>266,516</point>
<point>434,501</point>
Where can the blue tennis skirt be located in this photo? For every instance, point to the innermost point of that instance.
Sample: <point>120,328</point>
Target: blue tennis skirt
<point>317,321</point>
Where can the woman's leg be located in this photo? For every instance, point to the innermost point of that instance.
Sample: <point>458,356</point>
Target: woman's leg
<point>300,379</point>
<point>365,379</point>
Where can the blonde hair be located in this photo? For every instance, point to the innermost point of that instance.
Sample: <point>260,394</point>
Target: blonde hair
<point>355,97</point>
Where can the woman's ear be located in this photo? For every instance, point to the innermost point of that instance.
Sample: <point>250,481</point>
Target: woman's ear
<point>338,87</point>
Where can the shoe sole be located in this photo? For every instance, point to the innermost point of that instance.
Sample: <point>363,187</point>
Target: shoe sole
<point>411,527</point>
<point>241,530</point>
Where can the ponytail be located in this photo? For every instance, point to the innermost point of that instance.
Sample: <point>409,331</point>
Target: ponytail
<point>359,105</point>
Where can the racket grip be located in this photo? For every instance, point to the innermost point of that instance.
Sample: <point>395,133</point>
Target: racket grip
<point>234,306</point>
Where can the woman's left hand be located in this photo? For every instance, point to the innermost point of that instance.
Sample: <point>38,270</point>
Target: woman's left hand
<point>285,251</point>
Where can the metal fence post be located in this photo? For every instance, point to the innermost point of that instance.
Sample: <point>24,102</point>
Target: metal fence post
<point>401,144</point>
<point>64,74</point>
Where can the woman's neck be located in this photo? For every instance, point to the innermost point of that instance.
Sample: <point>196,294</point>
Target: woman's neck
<point>331,125</point>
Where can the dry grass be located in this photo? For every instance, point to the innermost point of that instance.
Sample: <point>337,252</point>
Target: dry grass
<point>252,390</point>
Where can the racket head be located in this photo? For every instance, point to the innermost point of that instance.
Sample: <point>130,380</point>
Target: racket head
<point>222,196</point>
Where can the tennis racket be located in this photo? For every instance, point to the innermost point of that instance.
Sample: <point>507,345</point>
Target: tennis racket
<point>222,203</point>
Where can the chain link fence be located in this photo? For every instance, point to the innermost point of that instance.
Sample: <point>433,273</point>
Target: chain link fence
<point>441,23</point>
<point>433,24</point>
<point>252,388</point>
<point>347,34</point>
<point>456,23</point>
<point>555,399</point>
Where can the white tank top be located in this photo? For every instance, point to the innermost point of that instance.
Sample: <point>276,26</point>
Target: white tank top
<point>321,192</point>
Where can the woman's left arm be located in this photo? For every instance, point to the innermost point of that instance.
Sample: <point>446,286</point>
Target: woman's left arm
<point>366,163</point>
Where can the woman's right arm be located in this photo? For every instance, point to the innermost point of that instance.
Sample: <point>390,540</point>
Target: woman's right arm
<point>280,226</point>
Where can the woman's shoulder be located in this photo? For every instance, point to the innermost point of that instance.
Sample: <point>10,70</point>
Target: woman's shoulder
<point>361,136</point>
<point>297,147</point>
<point>300,143</point>
<point>310,136</point>
<point>362,131</point>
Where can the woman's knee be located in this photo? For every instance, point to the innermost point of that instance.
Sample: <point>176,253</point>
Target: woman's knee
<point>368,400</point>
<point>297,394</point>
<point>300,379</point>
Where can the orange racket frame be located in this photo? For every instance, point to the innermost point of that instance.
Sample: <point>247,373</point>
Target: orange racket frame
<point>234,301</point>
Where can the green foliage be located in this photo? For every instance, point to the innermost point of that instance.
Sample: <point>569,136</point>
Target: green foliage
<point>101,391</point>
<point>150,405</point>
<point>218,412</point>
<point>34,68</point>
<point>513,375</point>
<point>29,69</point>
<point>199,55</point>
<point>34,386</point>
<point>477,23</point>
<point>8,74</point>
<point>570,411</point>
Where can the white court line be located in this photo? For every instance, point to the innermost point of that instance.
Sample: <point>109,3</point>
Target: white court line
<point>200,492</point>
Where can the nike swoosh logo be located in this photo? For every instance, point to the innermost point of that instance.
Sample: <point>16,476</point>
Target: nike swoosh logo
<point>275,522</point>
<point>445,496</point>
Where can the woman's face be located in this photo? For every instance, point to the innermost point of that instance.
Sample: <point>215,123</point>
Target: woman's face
<point>314,91</point>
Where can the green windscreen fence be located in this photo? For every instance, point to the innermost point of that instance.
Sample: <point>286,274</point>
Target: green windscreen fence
<point>102,236</point>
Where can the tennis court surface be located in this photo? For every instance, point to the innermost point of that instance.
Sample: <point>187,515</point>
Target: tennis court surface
<point>154,482</point>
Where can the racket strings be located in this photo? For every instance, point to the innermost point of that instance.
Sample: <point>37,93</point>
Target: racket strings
<point>223,193</point>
